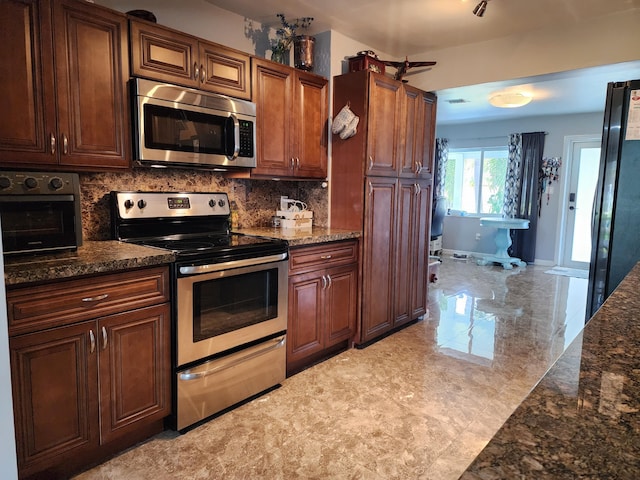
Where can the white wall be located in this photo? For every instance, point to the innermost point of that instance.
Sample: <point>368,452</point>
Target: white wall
<point>462,230</point>
<point>8,463</point>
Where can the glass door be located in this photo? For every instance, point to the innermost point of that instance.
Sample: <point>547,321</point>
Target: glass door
<point>583,163</point>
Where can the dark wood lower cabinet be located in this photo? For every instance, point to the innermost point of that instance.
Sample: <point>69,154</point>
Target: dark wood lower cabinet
<point>323,292</point>
<point>85,391</point>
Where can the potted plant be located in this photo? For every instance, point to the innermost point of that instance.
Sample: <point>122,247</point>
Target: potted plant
<point>287,36</point>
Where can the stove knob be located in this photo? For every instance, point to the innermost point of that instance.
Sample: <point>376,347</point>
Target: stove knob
<point>142,204</point>
<point>212,203</point>
<point>5,182</point>
<point>128,204</point>
<point>30,183</point>
<point>221,203</point>
<point>56,183</point>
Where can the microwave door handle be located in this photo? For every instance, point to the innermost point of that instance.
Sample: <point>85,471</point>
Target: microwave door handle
<point>236,136</point>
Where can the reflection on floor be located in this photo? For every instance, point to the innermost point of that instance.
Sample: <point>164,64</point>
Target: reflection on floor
<point>418,404</point>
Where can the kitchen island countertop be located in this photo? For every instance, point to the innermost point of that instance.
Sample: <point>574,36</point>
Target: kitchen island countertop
<point>297,237</point>
<point>91,258</point>
<point>582,420</point>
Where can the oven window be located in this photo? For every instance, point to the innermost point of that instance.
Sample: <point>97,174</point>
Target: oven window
<point>37,224</point>
<point>187,131</point>
<point>230,303</point>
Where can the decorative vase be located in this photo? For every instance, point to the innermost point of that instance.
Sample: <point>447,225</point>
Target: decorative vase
<point>280,55</point>
<point>303,46</point>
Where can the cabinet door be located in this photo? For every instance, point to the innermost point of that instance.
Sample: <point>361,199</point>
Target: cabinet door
<point>405,239</point>
<point>55,397</point>
<point>27,123</point>
<point>426,134</point>
<point>384,118</point>
<point>134,370</point>
<point>417,133</point>
<point>340,302</point>
<point>162,54</point>
<point>305,316</point>
<point>412,249</point>
<point>378,257</point>
<point>420,248</point>
<point>224,70</point>
<point>273,96</point>
<point>310,126</point>
<point>91,74</point>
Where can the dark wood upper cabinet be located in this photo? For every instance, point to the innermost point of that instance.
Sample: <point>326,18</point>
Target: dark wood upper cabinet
<point>167,55</point>
<point>67,73</point>
<point>292,109</point>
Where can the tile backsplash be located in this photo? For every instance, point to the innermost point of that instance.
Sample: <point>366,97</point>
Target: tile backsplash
<point>257,200</point>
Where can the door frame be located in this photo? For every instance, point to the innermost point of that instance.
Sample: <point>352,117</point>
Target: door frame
<point>569,143</point>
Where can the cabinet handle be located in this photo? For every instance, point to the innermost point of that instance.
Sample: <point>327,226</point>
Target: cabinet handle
<point>324,282</point>
<point>370,162</point>
<point>297,162</point>
<point>196,71</point>
<point>65,144</point>
<point>325,257</point>
<point>203,74</point>
<point>418,168</point>
<point>95,299</point>
<point>104,338</point>
<point>329,281</point>
<point>416,189</point>
<point>292,163</point>
<point>52,141</point>
<point>92,338</point>
<point>370,189</point>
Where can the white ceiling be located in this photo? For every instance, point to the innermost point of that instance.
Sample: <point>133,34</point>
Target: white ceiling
<point>409,27</point>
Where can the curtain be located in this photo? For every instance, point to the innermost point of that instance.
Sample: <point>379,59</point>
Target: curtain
<point>442,153</point>
<point>521,191</point>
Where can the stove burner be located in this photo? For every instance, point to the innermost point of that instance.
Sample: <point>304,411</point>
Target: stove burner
<point>184,245</point>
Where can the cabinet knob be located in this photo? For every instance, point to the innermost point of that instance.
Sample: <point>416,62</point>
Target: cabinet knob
<point>196,71</point>
<point>203,74</point>
<point>325,257</point>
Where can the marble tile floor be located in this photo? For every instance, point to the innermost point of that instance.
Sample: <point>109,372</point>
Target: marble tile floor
<point>419,404</point>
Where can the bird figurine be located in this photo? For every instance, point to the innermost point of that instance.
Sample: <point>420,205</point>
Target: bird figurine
<point>402,67</point>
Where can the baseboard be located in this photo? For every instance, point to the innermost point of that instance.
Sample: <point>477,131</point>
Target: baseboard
<point>472,255</point>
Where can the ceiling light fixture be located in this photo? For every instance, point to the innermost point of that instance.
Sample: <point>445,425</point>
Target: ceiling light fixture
<point>510,99</point>
<point>480,8</point>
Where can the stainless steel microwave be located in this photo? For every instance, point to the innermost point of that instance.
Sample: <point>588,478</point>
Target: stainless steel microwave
<point>40,212</point>
<point>185,127</point>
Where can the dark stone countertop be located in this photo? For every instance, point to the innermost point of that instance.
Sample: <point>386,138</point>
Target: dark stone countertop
<point>582,420</point>
<point>297,237</point>
<point>91,258</point>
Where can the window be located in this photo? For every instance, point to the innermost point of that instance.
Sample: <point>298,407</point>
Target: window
<point>474,179</point>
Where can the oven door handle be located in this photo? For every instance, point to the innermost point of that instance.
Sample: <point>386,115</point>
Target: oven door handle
<point>216,267</point>
<point>188,375</point>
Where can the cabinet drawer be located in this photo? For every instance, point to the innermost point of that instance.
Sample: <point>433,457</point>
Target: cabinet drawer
<point>305,259</point>
<point>70,301</point>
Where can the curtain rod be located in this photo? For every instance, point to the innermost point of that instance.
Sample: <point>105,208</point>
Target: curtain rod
<point>486,138</point>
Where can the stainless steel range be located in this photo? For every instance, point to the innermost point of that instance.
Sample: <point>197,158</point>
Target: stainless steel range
<point>229,295</point>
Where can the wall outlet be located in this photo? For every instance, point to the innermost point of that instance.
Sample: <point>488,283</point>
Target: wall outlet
<point>478,236</point>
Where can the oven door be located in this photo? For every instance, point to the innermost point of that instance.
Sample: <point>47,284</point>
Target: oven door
<point>221,307</point>
<point>39,223</point>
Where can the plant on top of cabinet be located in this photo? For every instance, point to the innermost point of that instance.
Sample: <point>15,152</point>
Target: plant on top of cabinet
<point>161,53</point>
<point>64,85</point>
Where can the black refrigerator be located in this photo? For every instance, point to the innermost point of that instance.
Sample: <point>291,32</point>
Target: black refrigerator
<point>615,228</point>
